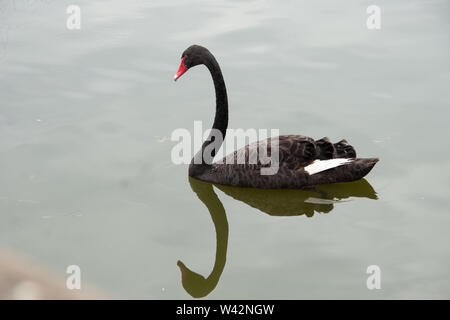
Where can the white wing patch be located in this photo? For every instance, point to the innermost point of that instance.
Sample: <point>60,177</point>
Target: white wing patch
<point>322,165</point>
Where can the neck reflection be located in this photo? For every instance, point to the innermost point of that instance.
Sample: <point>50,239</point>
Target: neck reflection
<point>195,284</point>
<point>273,202</point>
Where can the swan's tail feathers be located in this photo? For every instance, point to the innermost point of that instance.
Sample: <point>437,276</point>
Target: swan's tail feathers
<point>344,150</point>
<point>361,167</point>
<point>345,169</point>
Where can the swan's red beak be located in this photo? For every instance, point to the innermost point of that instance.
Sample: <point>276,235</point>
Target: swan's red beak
<point>182,69</point>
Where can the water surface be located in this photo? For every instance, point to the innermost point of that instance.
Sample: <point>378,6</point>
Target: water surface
<point>86,117</point>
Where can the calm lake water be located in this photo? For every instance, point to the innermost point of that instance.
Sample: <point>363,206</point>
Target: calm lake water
<point>86,116</point>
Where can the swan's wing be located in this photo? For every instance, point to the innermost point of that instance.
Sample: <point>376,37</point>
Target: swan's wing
<point>295,151</point>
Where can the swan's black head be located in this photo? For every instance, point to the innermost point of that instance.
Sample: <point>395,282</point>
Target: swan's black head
<point>191,57</point>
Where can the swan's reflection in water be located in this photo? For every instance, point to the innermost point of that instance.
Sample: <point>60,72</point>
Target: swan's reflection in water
<point>273,202</point>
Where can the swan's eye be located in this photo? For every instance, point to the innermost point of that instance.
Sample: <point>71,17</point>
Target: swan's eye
<point>186,61</point>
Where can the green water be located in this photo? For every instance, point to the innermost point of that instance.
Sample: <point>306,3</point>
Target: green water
<point>86,176</point>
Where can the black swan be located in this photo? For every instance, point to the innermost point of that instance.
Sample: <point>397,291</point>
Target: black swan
<point>302,161</point>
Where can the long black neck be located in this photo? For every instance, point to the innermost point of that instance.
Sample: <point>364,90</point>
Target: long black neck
<point>198,164</point>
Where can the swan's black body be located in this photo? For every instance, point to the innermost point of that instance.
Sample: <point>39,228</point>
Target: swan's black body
<point>295,152</point>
